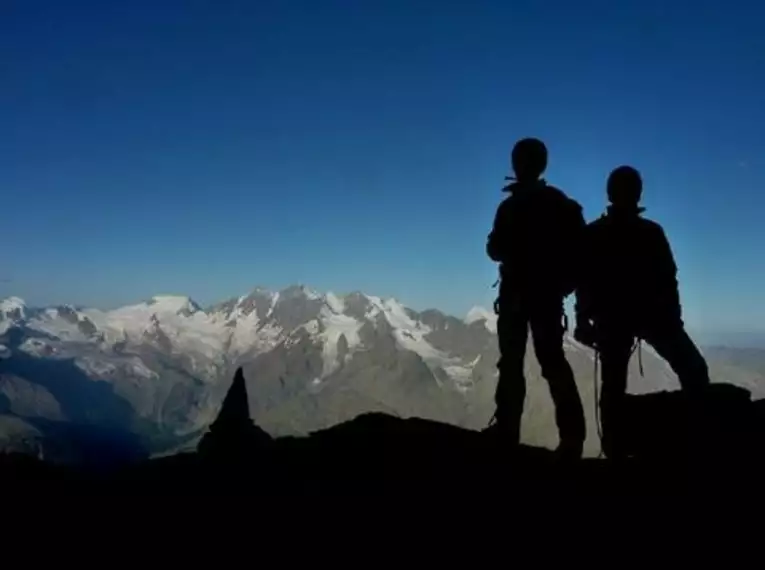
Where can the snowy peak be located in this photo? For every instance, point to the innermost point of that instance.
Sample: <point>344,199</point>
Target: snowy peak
<point>13,308</point>
<point>260,320</point>
<point>160,307</point>
<point>176,304</point>
<point>477,314</point>
<point>12,302</point>
<point>299,291</point>
<point>336,304</point>
<point>356,305</point>
<point>65,322</point>
<point>299,304</point>
<point>336,322</point>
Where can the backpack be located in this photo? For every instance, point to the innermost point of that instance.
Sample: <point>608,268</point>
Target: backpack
<point>541,230</point>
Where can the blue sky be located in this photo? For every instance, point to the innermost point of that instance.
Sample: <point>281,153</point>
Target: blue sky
<point>204,147</point>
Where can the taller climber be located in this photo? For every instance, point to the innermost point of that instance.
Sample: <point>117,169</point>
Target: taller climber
<point>535,230</point>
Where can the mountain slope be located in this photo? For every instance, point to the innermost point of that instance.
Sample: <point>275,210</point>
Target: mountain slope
<point>158,370</point>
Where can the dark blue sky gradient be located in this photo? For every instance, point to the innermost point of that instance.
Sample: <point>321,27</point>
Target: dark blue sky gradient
<point>208,147</point>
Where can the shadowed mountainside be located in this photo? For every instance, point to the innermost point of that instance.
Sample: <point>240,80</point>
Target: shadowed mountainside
<point>378,453</point>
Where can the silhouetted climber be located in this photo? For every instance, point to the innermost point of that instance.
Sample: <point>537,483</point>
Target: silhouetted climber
<point>233,435</point>
<point>535,230</point>
<point>629,291</point>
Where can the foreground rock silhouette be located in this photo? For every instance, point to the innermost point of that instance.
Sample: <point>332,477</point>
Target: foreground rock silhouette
<point>381,454</point>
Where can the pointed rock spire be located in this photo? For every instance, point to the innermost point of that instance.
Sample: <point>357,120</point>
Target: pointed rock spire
<point>235,411</point>
<point>233,435</point>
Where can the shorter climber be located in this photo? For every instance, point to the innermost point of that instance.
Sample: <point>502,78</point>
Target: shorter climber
<point>628,290</point>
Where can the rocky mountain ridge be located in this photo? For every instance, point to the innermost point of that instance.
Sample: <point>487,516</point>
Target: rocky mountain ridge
<point>158,370</point>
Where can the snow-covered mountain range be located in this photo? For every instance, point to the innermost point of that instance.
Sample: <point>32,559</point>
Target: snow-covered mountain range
<point>239,329</point>
<point>154,373</point>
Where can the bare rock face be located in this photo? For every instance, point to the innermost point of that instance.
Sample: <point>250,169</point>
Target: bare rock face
<point>26,400</point>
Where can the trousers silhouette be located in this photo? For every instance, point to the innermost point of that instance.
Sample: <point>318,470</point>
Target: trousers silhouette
<point>546,322</point>
<point>672,343</point>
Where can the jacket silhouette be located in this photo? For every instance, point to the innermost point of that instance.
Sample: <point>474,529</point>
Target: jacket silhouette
<point>534,229</point>
<point>628,291</point>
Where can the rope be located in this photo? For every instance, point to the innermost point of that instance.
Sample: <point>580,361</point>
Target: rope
<point>639,346</point>
<point>597,403</point>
